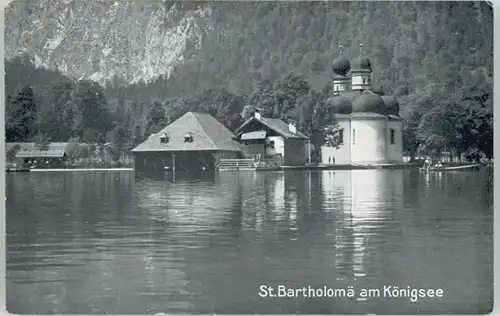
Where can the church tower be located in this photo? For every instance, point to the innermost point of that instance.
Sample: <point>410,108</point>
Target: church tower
<point>361,73</point>
<point>340,66</point>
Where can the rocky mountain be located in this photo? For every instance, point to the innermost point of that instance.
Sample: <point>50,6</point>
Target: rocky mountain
<point>99,40</point>
<point>236,44</point>
<point>222,57</point>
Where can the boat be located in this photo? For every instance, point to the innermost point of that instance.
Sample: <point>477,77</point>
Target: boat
<point>451,168</point>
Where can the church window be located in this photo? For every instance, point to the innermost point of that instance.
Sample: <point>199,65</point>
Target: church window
<point>393,136</point>
<point>341,136</point>
<point>353,136</point>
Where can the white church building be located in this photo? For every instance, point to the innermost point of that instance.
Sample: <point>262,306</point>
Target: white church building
<point>370,128</point>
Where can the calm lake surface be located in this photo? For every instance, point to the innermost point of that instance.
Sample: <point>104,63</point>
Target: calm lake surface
<point>109,242</point>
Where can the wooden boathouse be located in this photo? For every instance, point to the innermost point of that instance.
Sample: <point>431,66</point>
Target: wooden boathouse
<point>196,141</point>
<point>33,155</point>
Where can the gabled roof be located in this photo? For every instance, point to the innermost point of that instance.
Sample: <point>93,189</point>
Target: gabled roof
<point>27,150</point>
<point>207,132</point>
<point>276,125</point>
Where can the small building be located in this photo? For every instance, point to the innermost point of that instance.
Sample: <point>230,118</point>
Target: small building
<point>370,129</point>
<point>268,138</point>
<point>195,141</point>
<point>50,155</point>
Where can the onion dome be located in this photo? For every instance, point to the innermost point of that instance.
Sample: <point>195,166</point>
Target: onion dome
<point>341,66</point>
<point>339,104</point>
<point>391,105</point>
<point>369,102</point>
<point>363,64</point>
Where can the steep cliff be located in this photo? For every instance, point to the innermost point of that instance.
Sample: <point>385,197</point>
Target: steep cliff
<point>222,57</point>
<point>98,40</point>
<point>187,46</point>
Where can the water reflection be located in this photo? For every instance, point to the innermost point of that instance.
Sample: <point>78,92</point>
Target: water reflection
<point>79,249</point>
<point>178,176</point>
<point>365,199</point>
<point>121,243</point>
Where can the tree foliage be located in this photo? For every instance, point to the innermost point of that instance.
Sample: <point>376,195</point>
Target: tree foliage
<point>437,57</point>
<point>156,119</point>
<point>21,113</point>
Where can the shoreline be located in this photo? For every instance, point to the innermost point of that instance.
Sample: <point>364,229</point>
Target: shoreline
<point>351,167</point>
<point>68,169</point>
<point>83,169</point>
<point>397,166</point>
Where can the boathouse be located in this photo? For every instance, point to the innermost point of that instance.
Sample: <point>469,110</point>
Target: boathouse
<point>370,128</point>
<point>49,155</point>
<point>269,138</point>
<point>195,141</point>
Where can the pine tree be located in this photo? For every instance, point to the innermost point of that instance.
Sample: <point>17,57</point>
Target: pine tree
<point>156,119</point>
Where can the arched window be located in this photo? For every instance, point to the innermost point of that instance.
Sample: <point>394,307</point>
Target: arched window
<point>393,136</point>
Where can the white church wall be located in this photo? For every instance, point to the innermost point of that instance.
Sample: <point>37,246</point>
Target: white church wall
<point>342,155</point>
<point>340,86</point>
<point>360,82</point>
<point>368,141</point>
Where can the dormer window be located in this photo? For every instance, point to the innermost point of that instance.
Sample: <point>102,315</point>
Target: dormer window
<point>164,139</point>
<point>188,138</point>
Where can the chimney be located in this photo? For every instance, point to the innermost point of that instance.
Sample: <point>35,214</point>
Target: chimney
<point>257,114</point>
<point>292,127</point>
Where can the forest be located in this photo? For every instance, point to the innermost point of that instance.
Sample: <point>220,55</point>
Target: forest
<point>436,57</point>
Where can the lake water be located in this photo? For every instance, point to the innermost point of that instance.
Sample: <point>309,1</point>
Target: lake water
<point>109,242</point>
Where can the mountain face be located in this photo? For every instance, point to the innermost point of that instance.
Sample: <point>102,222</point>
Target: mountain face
<point>97,40</point>
<point>225,58</point>
<point>181,47</point>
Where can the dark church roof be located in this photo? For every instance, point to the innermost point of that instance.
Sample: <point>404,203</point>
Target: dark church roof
<point>339,104</point>
<point>341,66</point>
<point>353,104</point>
<point>207,134</point>
<point>362,64</point>
<point>368,115</point>
<point>368,102</point>
<point>391,105</point>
